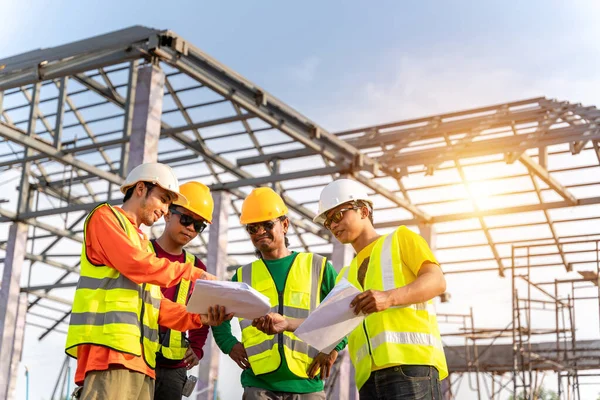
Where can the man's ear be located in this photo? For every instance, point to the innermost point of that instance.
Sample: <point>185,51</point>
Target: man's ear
<point>364,212</point>
<point>286,225</point>
<point>140,188</point>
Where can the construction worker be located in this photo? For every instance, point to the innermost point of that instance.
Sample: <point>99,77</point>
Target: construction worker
<point>397,351</point>
<point>177,353</point>
<point>113,331</point>
<point>279,367</point>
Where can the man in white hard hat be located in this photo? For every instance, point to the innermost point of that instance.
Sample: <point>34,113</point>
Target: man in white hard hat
<point>397,351</point>
<point>118,306</point>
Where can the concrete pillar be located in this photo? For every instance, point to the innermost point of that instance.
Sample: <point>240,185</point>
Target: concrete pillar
<point>216,264</point>
<point>18,346</point>
<point>145,101</point>
<point>344,386</point>
<point>10,331</point>
<point>147,113</point>
<point>428,233</point>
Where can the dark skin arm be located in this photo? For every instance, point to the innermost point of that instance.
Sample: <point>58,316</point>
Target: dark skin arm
<point>238,354</point>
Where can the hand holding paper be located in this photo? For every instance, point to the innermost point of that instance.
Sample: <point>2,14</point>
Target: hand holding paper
<point>329,323</point>
<point>237,297</point>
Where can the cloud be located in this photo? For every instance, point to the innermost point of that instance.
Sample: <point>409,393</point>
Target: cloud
<point>305,71</point>
<point>428,85</point>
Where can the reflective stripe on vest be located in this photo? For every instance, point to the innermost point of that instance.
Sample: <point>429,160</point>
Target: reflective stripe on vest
<point>398,335</point>
<point>174,343</point>
<point>112,311</point>
<point>299,297</point>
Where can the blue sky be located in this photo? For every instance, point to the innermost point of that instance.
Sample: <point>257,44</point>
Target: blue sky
<point>346,63</point>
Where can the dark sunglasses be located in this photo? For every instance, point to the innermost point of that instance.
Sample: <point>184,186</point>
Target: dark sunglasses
<point>337,216</point>
<point>267,225</point>
<point>186,220</point>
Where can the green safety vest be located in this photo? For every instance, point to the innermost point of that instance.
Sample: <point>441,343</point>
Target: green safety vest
<point>396,336</point>
<point>112,311</point>
<point>301,295</point>
<point>173,343</point>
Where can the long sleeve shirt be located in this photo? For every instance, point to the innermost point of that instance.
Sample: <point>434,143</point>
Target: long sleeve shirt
<point>106,243</point>
<point>196,337</point>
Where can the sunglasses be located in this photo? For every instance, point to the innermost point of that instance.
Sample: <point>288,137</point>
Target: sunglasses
<point>337,216</point>
<point>267,225</point>
<point>186,220</point>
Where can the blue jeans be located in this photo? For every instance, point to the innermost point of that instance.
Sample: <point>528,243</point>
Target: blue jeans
<point>403,382</point>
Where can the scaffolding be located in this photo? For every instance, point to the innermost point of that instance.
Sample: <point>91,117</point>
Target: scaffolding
<point>74,119</point>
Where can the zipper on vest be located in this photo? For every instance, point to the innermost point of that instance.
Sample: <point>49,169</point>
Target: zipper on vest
<point>280,311</point>
<point>364,324</point>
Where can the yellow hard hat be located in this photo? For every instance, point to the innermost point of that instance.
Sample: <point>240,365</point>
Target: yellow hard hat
<point>199,199</point>
<point>262,204</point>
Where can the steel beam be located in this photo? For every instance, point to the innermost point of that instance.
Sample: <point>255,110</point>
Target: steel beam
<point>20,138</point>
<point>216,264</point>
<point>11,216</point>
<point>510,144</point>
<point>370,183</point>
<point>491,212</point>
<point>545,176</point>
<point>262,180</point>
<point>222,80</point>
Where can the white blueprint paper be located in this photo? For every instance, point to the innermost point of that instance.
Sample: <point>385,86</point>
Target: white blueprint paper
<point>237,297</point>
<point>333,319</point>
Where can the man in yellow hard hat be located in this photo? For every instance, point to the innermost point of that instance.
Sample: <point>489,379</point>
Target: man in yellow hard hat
<point>397,351</point>
<point>279,366</point>
<point>179,353</point>
<point>118,305</point>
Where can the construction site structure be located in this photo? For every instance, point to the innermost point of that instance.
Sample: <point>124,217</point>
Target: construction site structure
<point>477,184</point>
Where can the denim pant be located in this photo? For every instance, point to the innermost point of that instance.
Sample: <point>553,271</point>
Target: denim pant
<point>403,382</point>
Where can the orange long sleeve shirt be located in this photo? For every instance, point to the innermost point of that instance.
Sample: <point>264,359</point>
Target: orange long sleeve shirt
<point>106,243</point>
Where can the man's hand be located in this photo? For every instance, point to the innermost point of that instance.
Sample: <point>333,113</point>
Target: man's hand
<point>205,276</point>
<point>190,359</point>
<point>324,362</point>
<point>271,324</point>
<point>216,316</point>
<point>371,301</point>
<point>238,354</point>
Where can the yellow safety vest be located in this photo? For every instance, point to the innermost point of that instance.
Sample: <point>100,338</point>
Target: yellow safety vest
<point>301,295</point>
<point>112,311</point>
<point>399,335</point>
<point>173,343</point>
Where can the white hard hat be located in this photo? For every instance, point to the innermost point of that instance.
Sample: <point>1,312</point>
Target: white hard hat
<point>339,192</point>
<point>158,174</point>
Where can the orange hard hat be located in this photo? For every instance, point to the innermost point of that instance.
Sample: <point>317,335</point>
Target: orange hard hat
<point>262,204</point>
<point>199,199</point>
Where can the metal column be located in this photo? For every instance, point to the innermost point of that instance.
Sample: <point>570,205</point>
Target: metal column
<point>19,338</point>
<point>216,264</point>
<point>428,233</point>
<point>147,112</point>
<point>13,264</point>
<point>344,386</point>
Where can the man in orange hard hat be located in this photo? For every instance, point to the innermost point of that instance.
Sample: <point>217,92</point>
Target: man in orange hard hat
<point>179,353</point>
<point>279,366</point>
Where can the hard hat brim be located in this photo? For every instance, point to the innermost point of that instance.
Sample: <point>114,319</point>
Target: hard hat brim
<point>198,213</point>
<point>180,200</point>
<point>320,218</point>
